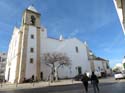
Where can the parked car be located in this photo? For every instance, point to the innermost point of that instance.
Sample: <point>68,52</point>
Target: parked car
<point>119,75</point>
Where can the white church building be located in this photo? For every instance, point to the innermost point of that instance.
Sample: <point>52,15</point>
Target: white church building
<point>30,42</point>
<point>120,8</point>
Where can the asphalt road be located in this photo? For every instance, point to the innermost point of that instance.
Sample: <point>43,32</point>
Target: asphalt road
<point>105,87</point>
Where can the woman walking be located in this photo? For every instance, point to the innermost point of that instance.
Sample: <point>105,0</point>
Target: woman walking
<point>85,80</point>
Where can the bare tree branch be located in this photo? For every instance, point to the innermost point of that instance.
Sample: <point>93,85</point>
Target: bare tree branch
<point>56,60</point>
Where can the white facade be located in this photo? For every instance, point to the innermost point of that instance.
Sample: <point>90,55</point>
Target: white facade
<point>99,65</point>
<point>120,8</point>
<point>30,42</point>
<point>102,66</point>
<point>12,56</point>
<point>78,59</point>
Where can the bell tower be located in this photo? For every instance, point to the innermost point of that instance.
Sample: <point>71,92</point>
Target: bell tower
<point>29,61</point>
<point>31,17</point>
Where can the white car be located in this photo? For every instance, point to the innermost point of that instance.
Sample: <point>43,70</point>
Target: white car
<point>119,75</point>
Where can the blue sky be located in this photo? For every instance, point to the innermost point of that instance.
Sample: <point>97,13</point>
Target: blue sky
<point>94,21</point>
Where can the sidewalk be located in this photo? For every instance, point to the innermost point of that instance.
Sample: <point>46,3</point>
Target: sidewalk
<point>7,86</point>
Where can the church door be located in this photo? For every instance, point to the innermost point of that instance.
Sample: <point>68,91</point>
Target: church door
<point>79,70</point>
<point>41,75</point>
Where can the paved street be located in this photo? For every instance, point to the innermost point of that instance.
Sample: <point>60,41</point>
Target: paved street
<point>106,86</point>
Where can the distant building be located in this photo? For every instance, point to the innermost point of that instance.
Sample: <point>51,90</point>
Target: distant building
<point>3,57</point>
<point>30,42</point>
<point>99,65</point>
<point>120,7</point>
<point>118,67</point>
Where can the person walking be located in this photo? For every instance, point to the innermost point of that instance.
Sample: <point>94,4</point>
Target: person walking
<point>94,82</point>
<point>85,80</point>
<point>32,78</point>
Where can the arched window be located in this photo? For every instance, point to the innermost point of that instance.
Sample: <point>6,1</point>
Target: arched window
<point>77,50</point>
<point>33,19</point>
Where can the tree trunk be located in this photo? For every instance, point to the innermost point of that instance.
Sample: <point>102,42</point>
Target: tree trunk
<point>52,73</point>
<point>56,74</point>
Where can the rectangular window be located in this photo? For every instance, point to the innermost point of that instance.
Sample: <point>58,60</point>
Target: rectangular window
<point>31,50</point>
<point>77,49</point>
<point>31,60</point>
<point>32,36</point>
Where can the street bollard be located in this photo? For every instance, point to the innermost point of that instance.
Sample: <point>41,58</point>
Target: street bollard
<point>16,85</point>
<point>72,81</point>
<point>1,84</point>
<point>48,83</point>
<point>33,84</point>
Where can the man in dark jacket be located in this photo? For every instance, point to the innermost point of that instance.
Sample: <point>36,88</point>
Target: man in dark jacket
<point>85,80</point>
<point>94,81</point>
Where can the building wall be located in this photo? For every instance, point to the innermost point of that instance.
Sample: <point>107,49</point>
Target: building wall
<point>12,56</point>
<point>13,64</point>
<point>30,25</point>
<point>107,67</point>
<point>31,44</point>
<point>78,59</point>
<point>76,50</point>
<point>120,8</point>
<point>92,65</point>
<point>101,66</point>
<point>98,66</point>
<point>68,46</point>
